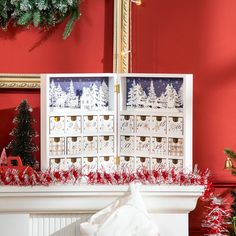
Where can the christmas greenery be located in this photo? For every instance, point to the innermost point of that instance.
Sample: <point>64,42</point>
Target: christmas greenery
<point>22,145</point>
<point>39,13</point>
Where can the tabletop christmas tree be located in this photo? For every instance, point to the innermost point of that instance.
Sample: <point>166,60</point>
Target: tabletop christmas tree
<point>22,144</point>
<point>217,220</point>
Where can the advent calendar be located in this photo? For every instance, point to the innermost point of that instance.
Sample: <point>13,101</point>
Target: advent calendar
<point>112,121</point>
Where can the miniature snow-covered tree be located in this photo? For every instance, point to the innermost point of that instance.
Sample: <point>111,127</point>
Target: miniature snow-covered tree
<point>94,93</point>
<point>71,99</point>
<point>131,97</point>
<point>180,99</point>
<point>101,99</point>
<point>60,97</point>
<point>152,97</point>
<point>22,145</point>
<point>171,96</point>
<point>105,90</point>
<point>216,222</point>
<point>52,92</point>
<point>139,96</point>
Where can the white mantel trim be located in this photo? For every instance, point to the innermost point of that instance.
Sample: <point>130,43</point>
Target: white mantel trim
<point>91,198</point>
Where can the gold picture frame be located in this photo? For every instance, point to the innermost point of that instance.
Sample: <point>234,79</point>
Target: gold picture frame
<point>19,81</point>
<point>121,51</point>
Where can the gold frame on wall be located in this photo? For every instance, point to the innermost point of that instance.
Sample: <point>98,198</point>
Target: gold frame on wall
<point>120,51</point>
<point>121,47</point>
<point>20,81</point>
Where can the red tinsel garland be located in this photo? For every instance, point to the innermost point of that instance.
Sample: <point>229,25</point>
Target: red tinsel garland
<point>158,176</point>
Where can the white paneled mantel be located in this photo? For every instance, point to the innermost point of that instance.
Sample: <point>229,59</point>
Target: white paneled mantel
<point>65,206</point>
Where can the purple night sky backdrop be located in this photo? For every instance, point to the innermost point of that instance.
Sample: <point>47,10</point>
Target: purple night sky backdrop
<point>159,83</point>
<point>79,82</point>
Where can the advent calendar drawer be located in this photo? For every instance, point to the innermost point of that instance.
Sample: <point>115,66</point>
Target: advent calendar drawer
<point>176,146</point>
<point>106,123</point>
<point>143,145</point>
<point>106,144</point>
<point>74,145</point>
<point>106,163</point>
<point>56,146</point>
<point>90,164</point>
<point>57,124</point>
<point>73,124</point>
<point>75,162</point>
<point>127,144</point>
<point>127,123</point>
<point>158,163</point>
<point>127,162</point>
<point>159,125</point>
<point>59,163</point>
<point>175,126</point>
<point>143,124</point>
<point>142,162</point>
<point>90,145</point>
<point>159,146</point>
<point>90,124</point>
<point>176,163</point>
<point>55,163</point>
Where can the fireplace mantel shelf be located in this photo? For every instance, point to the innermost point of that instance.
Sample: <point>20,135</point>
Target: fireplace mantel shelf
<point>91,198</point>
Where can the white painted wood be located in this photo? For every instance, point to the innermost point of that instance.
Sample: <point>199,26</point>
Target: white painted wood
<point>58,210</point>
<point>186,115</point>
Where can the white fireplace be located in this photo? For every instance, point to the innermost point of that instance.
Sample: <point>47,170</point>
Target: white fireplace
<point>58,210</point>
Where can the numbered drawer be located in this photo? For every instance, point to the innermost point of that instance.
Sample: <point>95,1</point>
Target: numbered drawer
<point>55,163</point>
<point>158,163</point>
<point>143,145</point>
<point>176,163</point>
<point>56,146</point>
<point>74,145</point>
<point>90,164</point>
<point>106,144</point>
<point>57,124</point>
<point>176,146</point>
<point>127,144</point>
<point>106,163</point>
<point>90,124</point>
<point>142,162</point>
<point>127,123</point>
<point>90,145</point>
<point>106,123</point>
<point>127,162</point>
<point>73,124</point>
<point>143,124</point>
<point>75,162</point>
<point>159,146</point>
<point>159,124</point>
<point>175,125</point>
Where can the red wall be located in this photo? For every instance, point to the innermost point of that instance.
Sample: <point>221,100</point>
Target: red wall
<point>189,36</point>
<point>88,49</point>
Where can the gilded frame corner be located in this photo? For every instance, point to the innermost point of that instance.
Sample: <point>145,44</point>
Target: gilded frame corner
<point>19,81</point>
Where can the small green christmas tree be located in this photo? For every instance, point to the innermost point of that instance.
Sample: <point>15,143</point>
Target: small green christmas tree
<point>22,145</point>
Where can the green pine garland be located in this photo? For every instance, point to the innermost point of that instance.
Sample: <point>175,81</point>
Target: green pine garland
<point>39,13</point>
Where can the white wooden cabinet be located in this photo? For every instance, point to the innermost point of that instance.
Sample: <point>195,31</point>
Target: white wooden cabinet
<point>132,120</point>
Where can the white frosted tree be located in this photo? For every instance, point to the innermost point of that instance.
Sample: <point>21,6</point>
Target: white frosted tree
<point>60,96</point>
<point>152,97</point>
<point>131,98</point>
<point>140,96</point>
<point>171,96</point>
<point>71,99</point>
<point>52,93</point>
<point>180,100</point>
<point>162,100</point>
<point>94,93</point>
<point>105,90</point>
<point>101,99</point>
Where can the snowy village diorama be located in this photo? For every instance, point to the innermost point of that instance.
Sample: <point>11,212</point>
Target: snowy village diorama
<point>116,121</point>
